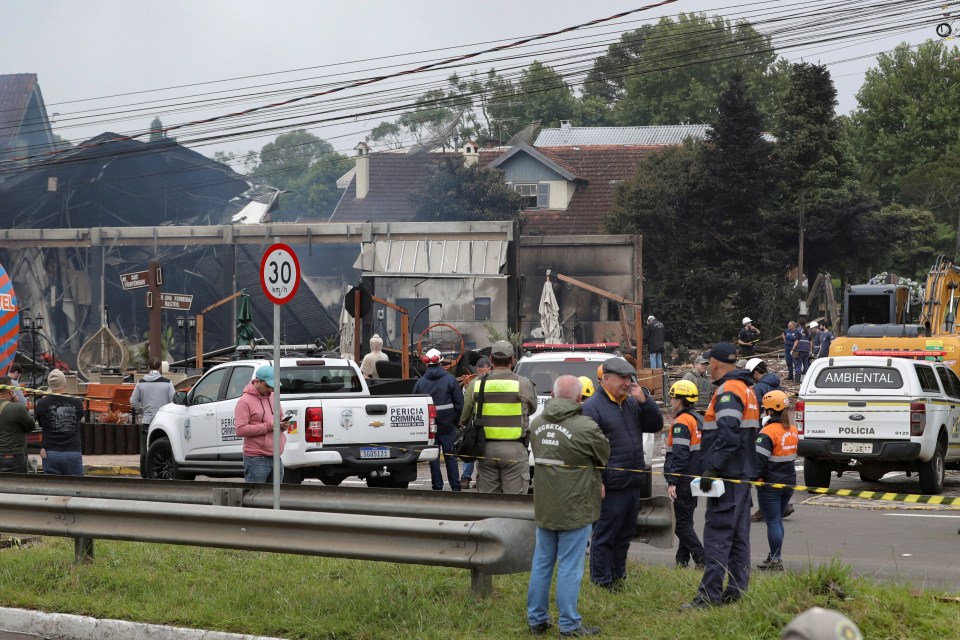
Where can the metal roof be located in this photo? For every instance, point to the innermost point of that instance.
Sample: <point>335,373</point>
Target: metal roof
<point>640,136</point>
<point>439,257</point>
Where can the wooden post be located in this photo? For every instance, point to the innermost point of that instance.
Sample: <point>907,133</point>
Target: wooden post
<point>405,358</point>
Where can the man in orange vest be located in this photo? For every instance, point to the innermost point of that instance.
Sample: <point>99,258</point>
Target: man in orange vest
<point>728,450</point>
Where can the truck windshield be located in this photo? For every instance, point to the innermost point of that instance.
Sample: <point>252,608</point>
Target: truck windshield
<point>543,374</point>
<point>319,379</point>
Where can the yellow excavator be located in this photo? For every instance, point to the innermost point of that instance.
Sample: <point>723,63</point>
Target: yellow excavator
<point>877,319</point>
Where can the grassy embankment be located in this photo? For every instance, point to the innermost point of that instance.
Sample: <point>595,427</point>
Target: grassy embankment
<point>313,598</point>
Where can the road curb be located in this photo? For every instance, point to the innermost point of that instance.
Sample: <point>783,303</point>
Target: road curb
<point>101,470</point>
<point>64,625</point>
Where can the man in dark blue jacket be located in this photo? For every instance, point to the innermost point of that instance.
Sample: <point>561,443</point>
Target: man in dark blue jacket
<point>448,398</point>
<point>624,413</point>
<point>727,450</point>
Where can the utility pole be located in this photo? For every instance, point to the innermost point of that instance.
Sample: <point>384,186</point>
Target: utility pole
<point>154,280</point>
<point>800,259</point>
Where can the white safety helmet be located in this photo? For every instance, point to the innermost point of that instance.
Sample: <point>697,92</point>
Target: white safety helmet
<point>821,624</point>
<point>813,324</point>
<point>746,320</point>
<point>753,363</point>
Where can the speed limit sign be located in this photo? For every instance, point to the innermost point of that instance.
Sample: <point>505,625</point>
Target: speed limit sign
<point>279,273</point>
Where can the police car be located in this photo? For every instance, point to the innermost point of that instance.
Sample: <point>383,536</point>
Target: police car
<point>877,412</point>
<point>543,364</point>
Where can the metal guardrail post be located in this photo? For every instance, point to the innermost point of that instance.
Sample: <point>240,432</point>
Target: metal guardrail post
<point>82,550</point>
<point>481,584</point>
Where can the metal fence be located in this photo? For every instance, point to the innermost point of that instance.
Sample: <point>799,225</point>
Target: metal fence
<point>485,533</point>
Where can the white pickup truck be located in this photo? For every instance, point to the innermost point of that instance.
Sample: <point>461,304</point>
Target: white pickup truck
<point>544,368</point>
<point>339,428</point>
<point>873,414</point>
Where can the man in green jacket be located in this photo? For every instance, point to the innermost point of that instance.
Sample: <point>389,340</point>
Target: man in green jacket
<point>15,424</point>
<point>568,451</point>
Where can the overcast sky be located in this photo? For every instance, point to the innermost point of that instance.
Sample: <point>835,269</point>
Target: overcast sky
<point>85,51</point>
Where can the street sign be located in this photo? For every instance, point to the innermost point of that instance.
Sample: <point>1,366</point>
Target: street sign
<point>177,301</point>
<point>279,273</point>
<point>134,280</point>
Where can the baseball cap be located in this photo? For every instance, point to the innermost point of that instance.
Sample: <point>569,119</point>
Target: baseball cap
<point>482,362</point>
<point>746,320</point>
<point>502,349</point>
<point>722,351</point>
<point>703,359</point>
<point>265,373</point>
<point>618,366</point>
<point>56,380</point>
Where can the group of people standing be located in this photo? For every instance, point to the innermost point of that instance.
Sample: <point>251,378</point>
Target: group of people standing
<point>803,343</point>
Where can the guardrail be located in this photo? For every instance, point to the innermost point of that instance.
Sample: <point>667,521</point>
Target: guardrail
<point>486,533</point>
<point>655,523</point>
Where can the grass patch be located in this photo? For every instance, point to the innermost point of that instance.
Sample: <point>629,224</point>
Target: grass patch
<point>311,598</point>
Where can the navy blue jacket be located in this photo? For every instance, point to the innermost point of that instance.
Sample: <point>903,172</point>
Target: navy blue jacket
<point>624,425</point>
<point>446,394</point>
<point>730,447</point>
<point>768,382</point>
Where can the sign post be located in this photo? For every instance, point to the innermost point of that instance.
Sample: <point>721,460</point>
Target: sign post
<point>279,279</point>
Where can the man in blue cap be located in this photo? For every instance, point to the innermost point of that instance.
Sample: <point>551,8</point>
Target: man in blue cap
<point>253,421</point>
<point>727,450</point>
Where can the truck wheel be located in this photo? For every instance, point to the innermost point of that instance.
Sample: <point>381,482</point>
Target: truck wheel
<point>816,473</point>
<point>292,476</point>
<point>161,465</point>
<point>332,479</point>
<point>386,482</point>
<point>932,472</point>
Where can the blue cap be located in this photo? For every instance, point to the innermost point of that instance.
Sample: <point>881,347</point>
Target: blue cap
<point>265,373</point>
<point>724,352</point>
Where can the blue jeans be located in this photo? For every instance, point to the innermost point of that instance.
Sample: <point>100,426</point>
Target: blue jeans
<point>656,360</point>
<point>567,549</point>
<point>445,441</point>
<point>259,469</point>
<point>773,502</point>
<point>63,463</point>
<point>468,470</point>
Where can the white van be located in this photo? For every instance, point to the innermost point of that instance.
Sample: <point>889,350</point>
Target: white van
<point>874,414</point>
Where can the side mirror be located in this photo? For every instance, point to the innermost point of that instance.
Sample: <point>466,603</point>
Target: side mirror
<point>180,397</point>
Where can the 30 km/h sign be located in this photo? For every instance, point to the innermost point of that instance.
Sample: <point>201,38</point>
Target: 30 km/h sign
<point>279,273</point>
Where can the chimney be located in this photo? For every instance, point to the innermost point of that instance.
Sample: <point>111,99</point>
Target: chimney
<point>565,124</point>
<point>363,170</point>
<point>471,153</point>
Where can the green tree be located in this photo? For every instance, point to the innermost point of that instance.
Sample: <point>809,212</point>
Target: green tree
<point>936,186</point>
<point>703,211</point>
<point>307,167</point>
<point>453,191</point>
<point>673,72</point>
<point>819,174</point>
<point>908,113</point>
<point>545,95</point>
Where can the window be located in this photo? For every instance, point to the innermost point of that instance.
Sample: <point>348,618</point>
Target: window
<point>536,196</point>
<point>927,378</point>
<point>240,377</point>
<point>481,309</point>
<point>208,389</point>
<point>951,385</point>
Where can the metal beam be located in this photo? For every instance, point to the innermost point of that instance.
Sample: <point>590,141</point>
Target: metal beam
<point>495,546</point>
<point>655,521</point>
<point>255,234</point>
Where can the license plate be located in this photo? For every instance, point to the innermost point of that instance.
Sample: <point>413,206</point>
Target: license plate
<point>374,452</point>
<point>856,447</point>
